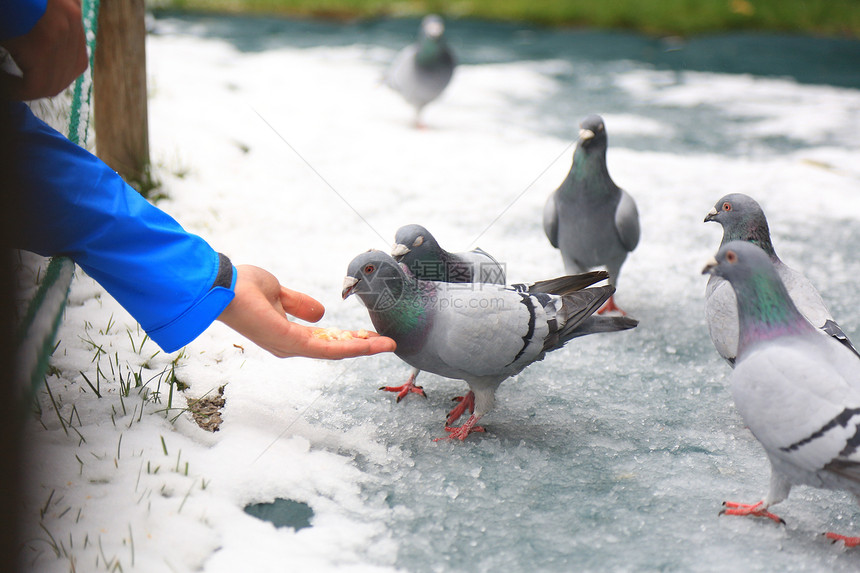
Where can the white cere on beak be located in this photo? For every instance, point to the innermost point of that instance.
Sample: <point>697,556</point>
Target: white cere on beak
<point>712,264</point>
<point>434,28</point>
<point>712,212</point>
<point>398,250</point>
<point>585,134</point>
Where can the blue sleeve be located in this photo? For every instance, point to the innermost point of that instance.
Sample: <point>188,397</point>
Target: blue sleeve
<point>17,17</point>
<point>71,203</point>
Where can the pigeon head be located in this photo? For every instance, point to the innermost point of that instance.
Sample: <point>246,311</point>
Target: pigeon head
<point>376,278</point>
<point>739,262</point>
<point>412,238</point>
<point>592,131</point>
<point>765,309</point>
<point>742,220</point>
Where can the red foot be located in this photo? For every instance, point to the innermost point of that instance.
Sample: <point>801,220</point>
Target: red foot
<point>610,306</point>
<point>848,541</point>
<point>404,390</point>
<point>460,433</point>
<point>755,509</point>
<point>467,401</point>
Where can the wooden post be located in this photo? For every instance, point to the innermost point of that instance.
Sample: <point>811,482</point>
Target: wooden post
<point>119,88</point>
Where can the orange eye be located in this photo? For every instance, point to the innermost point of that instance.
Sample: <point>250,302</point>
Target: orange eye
<point>369,269</point>
<point>731,257</point>
<point>727,206</point>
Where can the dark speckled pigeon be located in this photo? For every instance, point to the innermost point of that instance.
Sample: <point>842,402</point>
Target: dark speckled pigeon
<point>743,220</point>
<point>483,334</point>
<point>419,251</point>
<point>416,248</point>
<point>797,391</point>
<point>591,220</point>
<point>422,71</point>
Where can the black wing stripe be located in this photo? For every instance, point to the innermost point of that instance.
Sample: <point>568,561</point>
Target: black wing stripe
<point>527,338</point>
<point>841,420</point>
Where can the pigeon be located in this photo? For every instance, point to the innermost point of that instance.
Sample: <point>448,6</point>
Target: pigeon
<point>743,220</point>
<point>591,220</point>
<point>480,335</point>
<point>416,248</point>
<point>421,71</point>
<point>797,391</point>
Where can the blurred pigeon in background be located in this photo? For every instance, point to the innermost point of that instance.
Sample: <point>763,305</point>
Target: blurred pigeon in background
<point>743,220</point>
<point>591,220</point>
<point>482,336</point>
<point>421,71</point>
<point>797,391</point>
<point>416,248</point>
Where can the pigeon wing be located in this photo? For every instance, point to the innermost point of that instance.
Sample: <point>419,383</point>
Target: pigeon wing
<point>550,220</point>
<point>627,221</point>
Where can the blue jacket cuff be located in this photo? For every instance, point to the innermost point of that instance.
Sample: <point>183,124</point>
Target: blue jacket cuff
<point>195,320</point>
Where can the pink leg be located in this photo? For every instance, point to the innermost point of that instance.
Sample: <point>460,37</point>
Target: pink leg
<point>467,401</point>
<point>755,509</point>
<point>848,541</point>
<point>404,390</point>
<point>610,306</point>
<point>460,433</point>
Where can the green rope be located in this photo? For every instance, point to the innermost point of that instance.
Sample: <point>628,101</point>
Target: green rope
<point>45,310</point>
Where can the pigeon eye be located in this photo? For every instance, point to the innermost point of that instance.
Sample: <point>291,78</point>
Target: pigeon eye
<point>732,257</point>
<point>418,241</point>
<point>727,206</point>
<point>369,269</point>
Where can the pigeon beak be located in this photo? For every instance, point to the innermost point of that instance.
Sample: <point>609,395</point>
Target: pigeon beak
<point>348,286</point>
<point>712,214</point>
<point>711,266</point>
<point>398,250</point>
<point>585,134</point>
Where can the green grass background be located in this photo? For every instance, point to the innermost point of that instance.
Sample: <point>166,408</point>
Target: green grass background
<point>833,18</point>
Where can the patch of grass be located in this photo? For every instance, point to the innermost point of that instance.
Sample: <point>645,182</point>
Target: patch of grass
<point>838,18</point>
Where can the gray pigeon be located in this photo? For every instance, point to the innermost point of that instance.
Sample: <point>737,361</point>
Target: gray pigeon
<point>482,336</point>
<point>743,220</point>
<point>591,220</point>
<point>421,71</point>
<point>797,391</point>
<point>419,251</point>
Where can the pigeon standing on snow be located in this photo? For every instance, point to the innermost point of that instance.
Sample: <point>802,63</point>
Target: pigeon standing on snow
<point>422,71</point>
<point>422,255</point>
<point>797,391</point>
<point>591,220</point>
<point>742,219</point>
<point>482,336</point>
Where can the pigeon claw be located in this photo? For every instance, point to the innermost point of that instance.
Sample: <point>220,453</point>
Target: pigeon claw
<point>848,541</point>
<point>467,401</point>
<point>610,306</point>
<point>461,432</point>
<point>405,390</point>
<point>755,509</point>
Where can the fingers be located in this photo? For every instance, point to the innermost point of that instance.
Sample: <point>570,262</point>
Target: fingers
<point>299,340</point>
<point>301,306</point>
<point>338,349</point>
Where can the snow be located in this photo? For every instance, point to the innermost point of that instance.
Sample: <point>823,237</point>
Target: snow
<point>275,141</point>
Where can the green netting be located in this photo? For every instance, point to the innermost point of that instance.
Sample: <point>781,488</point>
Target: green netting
<point>38,329</point>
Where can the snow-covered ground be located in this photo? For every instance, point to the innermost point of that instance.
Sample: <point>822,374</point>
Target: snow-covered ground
<point>613,454</point>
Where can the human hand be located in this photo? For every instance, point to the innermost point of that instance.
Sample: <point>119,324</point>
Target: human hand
<point>259,311</point>
<point>52,54</point>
